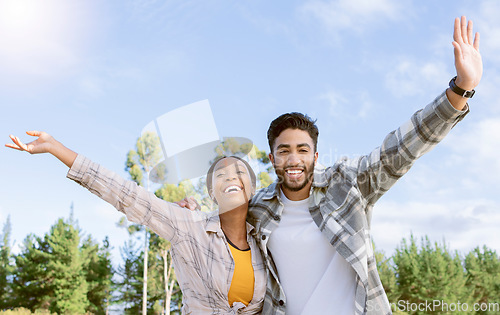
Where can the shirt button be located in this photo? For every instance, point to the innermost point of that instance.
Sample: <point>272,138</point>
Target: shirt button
<point>281,302</point>
<point>263,237</point>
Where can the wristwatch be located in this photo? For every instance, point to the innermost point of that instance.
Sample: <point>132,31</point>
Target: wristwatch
<point>460,91</point>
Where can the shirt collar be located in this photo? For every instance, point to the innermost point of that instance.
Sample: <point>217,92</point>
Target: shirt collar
<point>213,225</point>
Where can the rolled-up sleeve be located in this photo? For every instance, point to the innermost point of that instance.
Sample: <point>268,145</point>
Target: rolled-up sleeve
<point>380,169</point>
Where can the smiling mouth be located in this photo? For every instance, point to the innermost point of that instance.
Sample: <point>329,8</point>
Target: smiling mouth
<point>232,188</point>
<point>294,172</point>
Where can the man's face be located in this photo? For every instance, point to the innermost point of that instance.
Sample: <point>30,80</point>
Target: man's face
<point>293,157</point>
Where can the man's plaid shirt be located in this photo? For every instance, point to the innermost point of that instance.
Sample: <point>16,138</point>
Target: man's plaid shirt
<point>342,198</point>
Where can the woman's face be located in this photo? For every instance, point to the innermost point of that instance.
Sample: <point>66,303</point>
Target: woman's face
<point>231,184</point>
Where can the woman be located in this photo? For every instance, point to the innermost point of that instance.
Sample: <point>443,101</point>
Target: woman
<point>218,264</point>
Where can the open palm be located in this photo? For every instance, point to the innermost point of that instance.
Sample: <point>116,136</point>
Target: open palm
<point>468,62</point>
<point>40,145</point>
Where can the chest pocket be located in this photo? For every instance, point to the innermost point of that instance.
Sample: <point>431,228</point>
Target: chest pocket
<point>344,204</point>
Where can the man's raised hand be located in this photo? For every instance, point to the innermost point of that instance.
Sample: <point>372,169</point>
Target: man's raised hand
<point>468,62</point>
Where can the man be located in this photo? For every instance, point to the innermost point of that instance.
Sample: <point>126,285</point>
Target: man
<point>313,227</point>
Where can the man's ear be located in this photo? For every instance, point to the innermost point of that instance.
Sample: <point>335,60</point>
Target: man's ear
<point>271,158</point>
<point>316,158</point>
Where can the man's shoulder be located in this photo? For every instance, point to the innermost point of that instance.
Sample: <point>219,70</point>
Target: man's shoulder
<point>265,193</point>
<point>343,169</point>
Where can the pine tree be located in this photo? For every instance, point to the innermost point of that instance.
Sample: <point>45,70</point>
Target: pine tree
<point>483,275</point>
<point>6,266</point>
<point>430,273</point>
<point>98,273</point>
<point>49,271</point>
<point>130,284</point>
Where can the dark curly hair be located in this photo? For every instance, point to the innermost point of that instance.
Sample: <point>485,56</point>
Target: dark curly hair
<point>292,121</point>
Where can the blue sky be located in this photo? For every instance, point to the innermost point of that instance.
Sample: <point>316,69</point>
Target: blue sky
<point>94,73</point>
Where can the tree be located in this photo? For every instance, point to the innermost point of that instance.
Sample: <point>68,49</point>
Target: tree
<point>483,275</point>
<point>131,281</point>
<point>139,163</point>
<point>387,273</point>
<point>98,271</point>
<point>430,273</point>
<point>50,271</point>
<point>6,267</point>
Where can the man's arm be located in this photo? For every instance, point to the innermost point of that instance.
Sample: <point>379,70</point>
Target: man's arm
<point>379,170</point>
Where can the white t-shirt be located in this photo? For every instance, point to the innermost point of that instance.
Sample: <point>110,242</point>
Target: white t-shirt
<point>315,278</point>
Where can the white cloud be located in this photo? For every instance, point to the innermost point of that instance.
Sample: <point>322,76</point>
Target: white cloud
<point>410,77</point>
<point>476,150</point>
<point>357,15</point>
<point>357,105</point>
<point>489,27</point>
<point>462,224</point>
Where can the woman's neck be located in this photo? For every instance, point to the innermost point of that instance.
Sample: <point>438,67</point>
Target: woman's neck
<point>233,224</point>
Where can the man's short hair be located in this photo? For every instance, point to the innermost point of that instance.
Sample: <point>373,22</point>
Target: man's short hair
<point>292,121</point>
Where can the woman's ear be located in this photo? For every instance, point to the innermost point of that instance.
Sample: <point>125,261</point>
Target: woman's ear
<point>212,196</point>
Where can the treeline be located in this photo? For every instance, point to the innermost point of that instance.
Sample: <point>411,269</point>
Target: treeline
<point>65,272</point>
<point>430,279</point>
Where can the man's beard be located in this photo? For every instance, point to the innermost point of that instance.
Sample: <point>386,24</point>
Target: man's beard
<point>308,175</point>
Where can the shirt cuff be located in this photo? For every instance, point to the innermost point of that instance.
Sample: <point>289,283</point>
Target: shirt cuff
<point>79,168</point>
<point>446,111</point>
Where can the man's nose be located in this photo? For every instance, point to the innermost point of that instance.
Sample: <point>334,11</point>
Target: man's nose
<point>293,159</point>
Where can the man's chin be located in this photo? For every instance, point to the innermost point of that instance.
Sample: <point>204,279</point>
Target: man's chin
<point>294,186</point>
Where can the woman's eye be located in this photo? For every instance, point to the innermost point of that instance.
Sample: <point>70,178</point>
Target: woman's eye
<point>219,175</point>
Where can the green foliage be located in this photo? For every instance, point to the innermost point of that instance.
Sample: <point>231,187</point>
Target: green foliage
<point>58,274</point>
<point>25,311</point>
<point>483,275</point>
<point>147,154</point>
<point>98,271</point>
<point>387,274</point>
<point>6,266</point>
<point>264,180</point>
<point>130,284</point>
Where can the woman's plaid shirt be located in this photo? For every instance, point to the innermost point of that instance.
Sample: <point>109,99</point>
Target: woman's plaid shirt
<point>342,199</point>
<point>202,259</point>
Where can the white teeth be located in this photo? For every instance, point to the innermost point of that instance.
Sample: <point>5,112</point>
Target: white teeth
<point>294,172</point>
<point>232,188</point>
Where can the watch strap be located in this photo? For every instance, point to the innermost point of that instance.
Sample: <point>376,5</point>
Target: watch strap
<point>460,91</point>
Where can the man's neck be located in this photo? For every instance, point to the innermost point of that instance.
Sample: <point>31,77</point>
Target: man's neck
<point>297,195</point>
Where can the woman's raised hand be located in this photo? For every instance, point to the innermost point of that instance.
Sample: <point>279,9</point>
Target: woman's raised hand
<point>43,144</point>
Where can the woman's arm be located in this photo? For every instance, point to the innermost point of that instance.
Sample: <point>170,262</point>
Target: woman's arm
<point>139,205</point>
<point>44,144</point>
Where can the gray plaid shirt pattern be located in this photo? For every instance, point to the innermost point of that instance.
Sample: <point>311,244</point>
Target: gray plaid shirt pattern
<point>201,256</point>
<point>342,198</point>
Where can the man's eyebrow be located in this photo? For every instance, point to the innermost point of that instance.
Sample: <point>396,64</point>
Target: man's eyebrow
<point>287,146</point>
<point>283,145</point>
